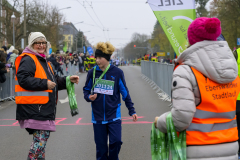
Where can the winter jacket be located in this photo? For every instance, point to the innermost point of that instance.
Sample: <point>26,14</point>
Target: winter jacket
<point>26,80</point>
<point>2,72</point>
<point>10,49</point>
<point>215,60</point>
<point>107,107</point>
<point>12,59</point>
<point>54,62</point>
<point>8,56</point>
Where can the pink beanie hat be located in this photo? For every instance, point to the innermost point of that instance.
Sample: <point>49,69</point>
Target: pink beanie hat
<point>204,28</point>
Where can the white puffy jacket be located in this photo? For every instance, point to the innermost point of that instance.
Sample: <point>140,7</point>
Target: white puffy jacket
<point>215,60</point>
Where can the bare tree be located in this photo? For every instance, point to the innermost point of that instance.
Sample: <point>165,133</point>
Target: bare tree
<point>41,17</point>
<point>141,43</point>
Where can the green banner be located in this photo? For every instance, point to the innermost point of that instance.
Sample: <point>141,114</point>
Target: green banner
<point>65,47</point>
<point>175,16</point>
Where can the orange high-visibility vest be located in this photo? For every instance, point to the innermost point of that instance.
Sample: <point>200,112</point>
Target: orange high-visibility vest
<point>23,96</point>
<point>146,58</point>
<point>214,121</point>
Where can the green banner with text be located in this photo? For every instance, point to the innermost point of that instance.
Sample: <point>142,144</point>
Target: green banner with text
<point>175,16</point>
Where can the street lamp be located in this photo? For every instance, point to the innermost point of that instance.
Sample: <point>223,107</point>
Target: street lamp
<point>13,17</point>
<point>78,23</point>
<point>57,24</point>
<point>64,8</point>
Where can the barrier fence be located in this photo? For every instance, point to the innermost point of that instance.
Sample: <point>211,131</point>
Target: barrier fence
<point>7,89</point>
<point>159,73</point>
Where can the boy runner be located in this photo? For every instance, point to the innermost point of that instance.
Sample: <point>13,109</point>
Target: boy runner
<point>103,86</point>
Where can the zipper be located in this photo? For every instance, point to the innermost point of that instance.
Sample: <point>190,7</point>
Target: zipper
<point>104,99</point>
<point>39,107</point>
<point>54,87</point>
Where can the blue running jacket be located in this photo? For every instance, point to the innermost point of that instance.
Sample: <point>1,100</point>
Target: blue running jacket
<point>106,108</point>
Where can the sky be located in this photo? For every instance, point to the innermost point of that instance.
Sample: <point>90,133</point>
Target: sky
<point>108,20</point>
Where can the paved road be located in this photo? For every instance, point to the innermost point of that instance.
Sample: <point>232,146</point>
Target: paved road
<point>74,139</point>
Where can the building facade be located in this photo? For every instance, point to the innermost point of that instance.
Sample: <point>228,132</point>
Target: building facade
<point>69,33</point>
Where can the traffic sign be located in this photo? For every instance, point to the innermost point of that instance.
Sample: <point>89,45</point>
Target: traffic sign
<point>238,41</point>
<point>162,54</point>
<point>168,53</point>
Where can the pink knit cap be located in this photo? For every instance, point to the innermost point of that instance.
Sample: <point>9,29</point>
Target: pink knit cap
<point>204,28</point>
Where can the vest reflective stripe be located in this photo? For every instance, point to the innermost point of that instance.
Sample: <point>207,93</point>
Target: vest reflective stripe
<point>206,114</point>
<point>16,82</point>
<point>212,127</point>
<point>31,97</point>
<point>238,63</point>
<point>214,121</point>
<point>31,94</point>
<point>50,66</point>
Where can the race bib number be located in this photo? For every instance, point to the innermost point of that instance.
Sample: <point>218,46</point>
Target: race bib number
<point>104,87</point>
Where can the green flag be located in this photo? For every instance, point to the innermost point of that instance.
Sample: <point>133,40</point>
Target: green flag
<point>175,16</point>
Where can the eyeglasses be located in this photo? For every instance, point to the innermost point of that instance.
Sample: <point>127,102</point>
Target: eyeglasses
<point>39,43</point>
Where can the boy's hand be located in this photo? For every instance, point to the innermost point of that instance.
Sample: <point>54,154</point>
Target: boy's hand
<point>93,97</point>
<point>155,122</point>
<point>135,117</point>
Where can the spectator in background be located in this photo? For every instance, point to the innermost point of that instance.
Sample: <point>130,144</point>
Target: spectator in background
<point>67,60</point>
<point>81,65</point>
<point>58,66</point>
<point>71,60</point>
<point>57,52</point>
<point>5,48</point>
<point>13,57</point>
<point>10,52</point>
<point>8,46</point>
<point>168,60</point>
<point>150,57</point>
<point>117,62</point>
<point>52,59</point>
<point>3,68</point>
<point>75,57</point>
<point>20,51</point>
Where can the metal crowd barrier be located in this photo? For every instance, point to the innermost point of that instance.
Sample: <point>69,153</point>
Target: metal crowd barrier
<point>7,89</point>
<point>70,70</point>
<point>159,73</point>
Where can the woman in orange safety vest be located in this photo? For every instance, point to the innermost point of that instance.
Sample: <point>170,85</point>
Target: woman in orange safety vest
<point>36,89</point>
<point>205,87</point>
